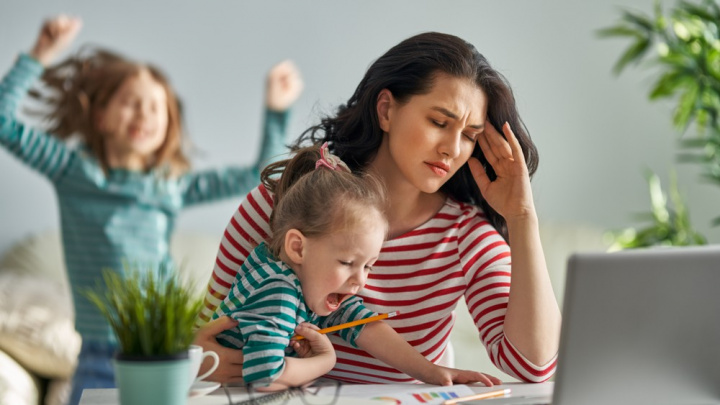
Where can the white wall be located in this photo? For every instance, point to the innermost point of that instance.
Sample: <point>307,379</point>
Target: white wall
<point>595,132</point>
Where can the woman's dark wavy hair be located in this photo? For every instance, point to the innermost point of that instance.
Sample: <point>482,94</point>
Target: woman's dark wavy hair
<point>409,69</point>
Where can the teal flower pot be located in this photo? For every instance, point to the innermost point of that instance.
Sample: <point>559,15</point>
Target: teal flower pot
<point>156,380</point>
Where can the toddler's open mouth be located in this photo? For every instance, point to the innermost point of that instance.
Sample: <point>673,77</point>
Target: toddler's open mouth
<point>334,300</point>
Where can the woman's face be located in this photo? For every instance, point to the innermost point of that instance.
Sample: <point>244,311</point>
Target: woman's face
<point>429,137</point>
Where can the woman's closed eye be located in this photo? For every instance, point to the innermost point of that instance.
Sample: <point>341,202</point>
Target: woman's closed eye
<point>439,124</point>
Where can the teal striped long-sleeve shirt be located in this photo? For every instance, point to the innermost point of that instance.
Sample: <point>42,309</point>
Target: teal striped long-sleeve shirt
<point>110,219</point>
<point>267,301</point>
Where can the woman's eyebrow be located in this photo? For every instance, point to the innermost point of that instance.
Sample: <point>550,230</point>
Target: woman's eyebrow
<point>454,116</point>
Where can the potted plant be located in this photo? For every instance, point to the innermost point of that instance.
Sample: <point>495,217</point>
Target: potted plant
<point>684,46</point>
<point>152,314</point>
<point>670,226</point>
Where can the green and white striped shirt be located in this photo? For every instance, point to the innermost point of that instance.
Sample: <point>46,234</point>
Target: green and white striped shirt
<point>267,300</point>
<point>119,217</point>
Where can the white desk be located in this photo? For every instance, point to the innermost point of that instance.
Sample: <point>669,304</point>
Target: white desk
<point>529,391</point>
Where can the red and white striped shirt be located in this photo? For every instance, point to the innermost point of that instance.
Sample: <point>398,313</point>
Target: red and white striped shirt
<point>422,274</point>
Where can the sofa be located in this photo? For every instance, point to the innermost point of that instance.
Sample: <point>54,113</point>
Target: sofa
<point>38,344</point>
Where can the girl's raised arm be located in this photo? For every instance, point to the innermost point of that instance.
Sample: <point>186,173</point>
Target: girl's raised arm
<point>39,150</point>
<point>284,86</point>
<point>55,36</point>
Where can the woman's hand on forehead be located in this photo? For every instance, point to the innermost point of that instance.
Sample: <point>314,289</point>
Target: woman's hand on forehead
<point>510,193</point>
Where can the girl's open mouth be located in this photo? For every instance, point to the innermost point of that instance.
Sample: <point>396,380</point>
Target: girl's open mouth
<point>334,300</point>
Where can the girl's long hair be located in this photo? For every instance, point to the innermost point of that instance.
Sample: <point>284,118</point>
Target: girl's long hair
<point>408,69</point>
<point>78,88</point>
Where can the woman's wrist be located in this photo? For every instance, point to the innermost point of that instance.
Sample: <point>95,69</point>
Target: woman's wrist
<point>524,219</point>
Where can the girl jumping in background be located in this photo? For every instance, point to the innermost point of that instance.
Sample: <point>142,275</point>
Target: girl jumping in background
<point>328,227</point>
<point>439,127</point>
<point>121,190</point>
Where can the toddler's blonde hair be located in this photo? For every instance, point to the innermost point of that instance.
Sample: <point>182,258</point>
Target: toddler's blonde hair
<point>318,202</point>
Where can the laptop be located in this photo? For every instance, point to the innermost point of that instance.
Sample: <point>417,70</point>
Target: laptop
<point>640,327</point>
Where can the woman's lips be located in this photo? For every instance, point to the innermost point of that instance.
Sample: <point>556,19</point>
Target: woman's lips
<point>439,168</point>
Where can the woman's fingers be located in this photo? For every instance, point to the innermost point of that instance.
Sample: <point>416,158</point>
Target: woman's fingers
<point>504,153</point>
<point>212,328</point>
<point>231,360</point>
<point>494,379</point>
<point>487,149</point>
<point>513,143</point>
<point>499,145</point>
<point>478,172</point>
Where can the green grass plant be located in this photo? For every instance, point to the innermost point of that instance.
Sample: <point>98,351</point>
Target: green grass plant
<point>151,312</point>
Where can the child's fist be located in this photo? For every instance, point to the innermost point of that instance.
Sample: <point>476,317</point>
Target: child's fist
<point>314,344</point>
<point>284,86</point>
<point>55,35</point>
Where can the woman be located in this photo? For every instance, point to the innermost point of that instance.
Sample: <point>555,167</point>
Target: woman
<point>424,119</point>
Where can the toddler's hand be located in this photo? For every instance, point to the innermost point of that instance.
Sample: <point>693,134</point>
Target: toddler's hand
<point>284,86</point>
<point>314,344</point>
<point>449,376</point>
<point>56,34</point>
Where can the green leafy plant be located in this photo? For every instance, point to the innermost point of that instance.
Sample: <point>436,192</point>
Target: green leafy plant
<point>152,313</point>
<point>670,226</point>
<point>683,45</point>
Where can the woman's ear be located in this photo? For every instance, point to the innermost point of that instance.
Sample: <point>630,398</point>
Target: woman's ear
<point>384,102</point>
<point>294,246</point>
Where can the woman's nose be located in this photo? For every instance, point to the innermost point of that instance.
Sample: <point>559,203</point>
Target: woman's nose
<point>450,146</point>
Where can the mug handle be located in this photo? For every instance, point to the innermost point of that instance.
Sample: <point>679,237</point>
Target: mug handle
<point>216,363</point>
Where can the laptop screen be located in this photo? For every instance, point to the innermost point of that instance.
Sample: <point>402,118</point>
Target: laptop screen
<point>641,327</point>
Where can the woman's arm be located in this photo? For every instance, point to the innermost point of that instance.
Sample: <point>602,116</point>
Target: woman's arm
<point>383,343</point>
<point>532,319</point>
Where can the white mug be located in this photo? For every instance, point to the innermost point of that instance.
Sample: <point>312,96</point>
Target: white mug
<point>197,355</point>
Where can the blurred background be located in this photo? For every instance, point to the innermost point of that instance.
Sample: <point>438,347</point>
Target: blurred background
<point>596,132</point>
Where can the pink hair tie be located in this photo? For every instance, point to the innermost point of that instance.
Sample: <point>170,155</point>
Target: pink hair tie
<point>330,161</point>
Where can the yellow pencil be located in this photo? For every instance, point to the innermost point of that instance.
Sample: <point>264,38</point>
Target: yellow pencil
<point>484,395</point>
<point>351,324</point>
